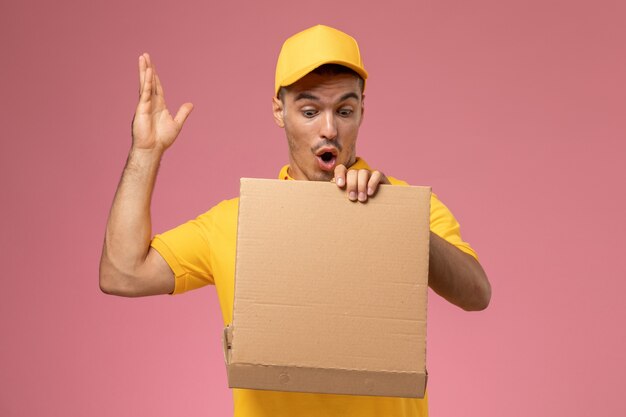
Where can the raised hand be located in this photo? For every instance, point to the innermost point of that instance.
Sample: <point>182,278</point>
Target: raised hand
<point>154,128</point>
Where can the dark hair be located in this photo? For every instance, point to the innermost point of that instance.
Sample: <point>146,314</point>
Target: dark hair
<point>329,69</point>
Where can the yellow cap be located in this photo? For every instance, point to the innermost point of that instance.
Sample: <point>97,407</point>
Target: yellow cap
<point>314,47</point>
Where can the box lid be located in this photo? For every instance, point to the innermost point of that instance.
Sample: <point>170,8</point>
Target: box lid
<point>330,295</point>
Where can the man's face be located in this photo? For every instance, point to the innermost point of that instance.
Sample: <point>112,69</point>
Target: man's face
<point>321,115</point>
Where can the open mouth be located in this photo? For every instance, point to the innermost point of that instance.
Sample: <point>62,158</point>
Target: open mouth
<point>327,158</point>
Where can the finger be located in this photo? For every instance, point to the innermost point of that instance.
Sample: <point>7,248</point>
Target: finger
<point>363,177</point>
<point>340,175</point>
<point>146,90</point>
<point>142,72</point>
<point>372,184</point>
<point>154,83</point>
<point>150,65</point>
<point>183,113</point>
<point>159,87</point>
<point>351,184</point>
<point>148,59</point>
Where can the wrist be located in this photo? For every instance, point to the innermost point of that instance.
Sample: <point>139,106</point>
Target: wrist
<point>146,154</point>
<point>142,158</point>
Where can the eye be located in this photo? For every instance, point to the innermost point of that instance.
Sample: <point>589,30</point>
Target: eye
<point>345,112</point>
<point>309,113</point>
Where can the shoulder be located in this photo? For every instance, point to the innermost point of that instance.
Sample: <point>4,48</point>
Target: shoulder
<point>220,216</point>
<point>222,210</point>
<point>395,181</point>
<point>436,206</point>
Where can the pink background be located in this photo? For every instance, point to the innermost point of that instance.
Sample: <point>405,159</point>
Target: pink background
<point>512,110</point>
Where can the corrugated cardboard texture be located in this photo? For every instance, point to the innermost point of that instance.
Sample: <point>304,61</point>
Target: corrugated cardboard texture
<point>330,295</point>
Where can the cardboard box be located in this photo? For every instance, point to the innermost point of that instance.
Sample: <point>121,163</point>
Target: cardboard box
<point>330,295</point>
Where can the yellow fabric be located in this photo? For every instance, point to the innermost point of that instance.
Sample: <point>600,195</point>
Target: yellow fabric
<point>202,251</point>
<point>314,47</point>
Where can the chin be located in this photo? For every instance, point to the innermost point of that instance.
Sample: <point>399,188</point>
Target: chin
<point>321,176</point>
<point>316,174</point>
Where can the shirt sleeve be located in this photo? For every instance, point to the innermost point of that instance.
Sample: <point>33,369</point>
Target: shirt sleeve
<point>187,251</point>
<point>443,223</point>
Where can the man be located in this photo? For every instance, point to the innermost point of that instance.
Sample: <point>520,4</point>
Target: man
<point>319,102</point>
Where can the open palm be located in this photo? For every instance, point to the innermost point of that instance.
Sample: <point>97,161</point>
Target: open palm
<point>154,128</point>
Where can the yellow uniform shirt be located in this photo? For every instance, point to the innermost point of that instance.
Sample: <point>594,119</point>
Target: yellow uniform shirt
<point>202,251</point>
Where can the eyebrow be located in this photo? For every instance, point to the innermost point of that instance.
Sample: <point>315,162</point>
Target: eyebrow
<point>306,96</point>
<point>309,96</point>
<point>349,95</point>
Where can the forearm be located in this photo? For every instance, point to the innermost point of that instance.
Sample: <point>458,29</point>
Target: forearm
<point>457,276</point>
<point>129,228</point>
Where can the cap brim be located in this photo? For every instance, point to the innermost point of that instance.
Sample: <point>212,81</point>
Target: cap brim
<point>287,81</point>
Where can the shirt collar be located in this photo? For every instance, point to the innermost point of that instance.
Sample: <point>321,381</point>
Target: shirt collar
<point>358,164</point>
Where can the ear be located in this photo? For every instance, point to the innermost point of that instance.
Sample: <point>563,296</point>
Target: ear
<point>277,109</point>
<point>362,108</point>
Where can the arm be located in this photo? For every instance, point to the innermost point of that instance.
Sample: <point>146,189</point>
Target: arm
<point>457,276</point>
<point>128,266</point>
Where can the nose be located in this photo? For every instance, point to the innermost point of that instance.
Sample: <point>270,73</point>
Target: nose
<point>328,130</point>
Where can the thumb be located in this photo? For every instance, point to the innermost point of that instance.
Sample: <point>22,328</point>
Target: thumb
<point>183,113</point>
